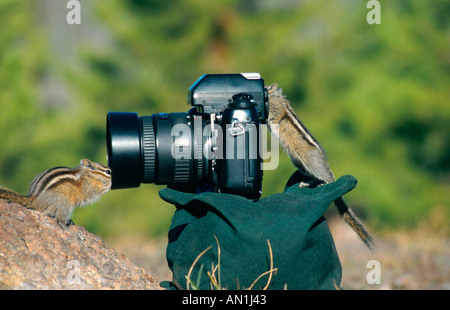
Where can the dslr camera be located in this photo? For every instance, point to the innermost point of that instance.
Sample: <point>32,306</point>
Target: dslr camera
<point>212,147</point>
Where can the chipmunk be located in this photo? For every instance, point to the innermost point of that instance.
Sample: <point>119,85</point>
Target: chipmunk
<point>58,191</point>
<point>307,154</point>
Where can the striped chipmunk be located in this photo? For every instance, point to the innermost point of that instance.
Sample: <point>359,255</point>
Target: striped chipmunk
<point>307,154</point>
<point>58,191</point>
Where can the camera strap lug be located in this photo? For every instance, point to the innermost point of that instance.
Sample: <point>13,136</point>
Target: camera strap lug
<point>236,128</point>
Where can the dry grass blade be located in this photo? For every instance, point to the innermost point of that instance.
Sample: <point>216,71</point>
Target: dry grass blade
<point>188,277</point>
<point>218,261</point>
<point>213,280</point>
<point>270,272</point>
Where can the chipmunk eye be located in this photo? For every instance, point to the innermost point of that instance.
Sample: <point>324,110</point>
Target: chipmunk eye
<point>108,172</point>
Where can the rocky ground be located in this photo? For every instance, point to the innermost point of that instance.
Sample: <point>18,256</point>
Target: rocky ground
<point>38,254</point>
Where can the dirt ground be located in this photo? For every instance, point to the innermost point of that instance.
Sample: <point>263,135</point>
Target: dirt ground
<point>407,260</point>
<point>417,259</point>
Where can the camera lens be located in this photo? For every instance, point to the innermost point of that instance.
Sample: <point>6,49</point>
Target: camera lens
<point>161,148</point>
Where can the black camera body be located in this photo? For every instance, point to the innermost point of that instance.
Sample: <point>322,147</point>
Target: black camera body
<point>215,146</point>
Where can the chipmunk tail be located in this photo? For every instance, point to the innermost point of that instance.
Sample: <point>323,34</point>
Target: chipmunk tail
<point>352,220</point>
<point>11,196</point>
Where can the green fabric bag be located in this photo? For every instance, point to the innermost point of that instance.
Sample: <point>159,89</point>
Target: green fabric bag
<point>301,246</point>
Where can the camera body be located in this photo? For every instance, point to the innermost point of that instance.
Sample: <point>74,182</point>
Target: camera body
<point>212,147</point>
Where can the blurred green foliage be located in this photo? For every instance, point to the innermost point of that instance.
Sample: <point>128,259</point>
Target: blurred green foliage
<point>375,96</point>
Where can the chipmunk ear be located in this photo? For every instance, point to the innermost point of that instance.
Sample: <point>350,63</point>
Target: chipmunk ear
<point>273,88</point>
<point>86,163</point>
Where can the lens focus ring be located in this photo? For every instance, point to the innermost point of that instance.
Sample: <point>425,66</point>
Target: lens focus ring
<point>182,173</point>
<point>149,152</point>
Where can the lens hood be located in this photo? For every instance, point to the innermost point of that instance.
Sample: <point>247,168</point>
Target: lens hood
<point>124,149</point>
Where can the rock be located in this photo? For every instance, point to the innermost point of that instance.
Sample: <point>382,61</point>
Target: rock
<point>36,253</point>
